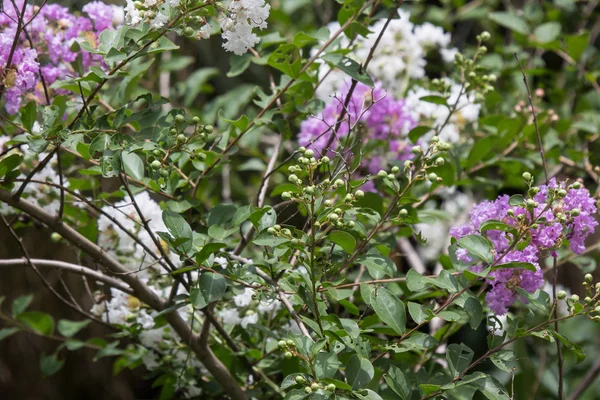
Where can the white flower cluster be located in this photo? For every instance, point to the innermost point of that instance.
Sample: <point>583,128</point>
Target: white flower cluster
<point>122,245</point>
<point>435,115</point>
<point>232,316</point>
<point>154,12</point>
<point>244,16</point>
<point>399,56</point>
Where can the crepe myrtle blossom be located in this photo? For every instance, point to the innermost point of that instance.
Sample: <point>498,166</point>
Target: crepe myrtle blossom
<point>382,117</point>
<point>54,33</point>
<point>237,26</point>
<point>557,213</point>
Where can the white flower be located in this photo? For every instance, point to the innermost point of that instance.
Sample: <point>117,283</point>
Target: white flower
<point>118,15</point>
<point>243,299</point>
<point>250,318</point>
<point>230,316</point>
<point>222,261</point>
<point>268,305</point>
<point>159,21</point>
<point>205,31</point>
<point>429,35</point>
<point>132,14</point>
<point>237,29</point>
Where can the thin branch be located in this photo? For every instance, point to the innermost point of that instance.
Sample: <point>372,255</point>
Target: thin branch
<point>65,266</point>
<point>535,123</point>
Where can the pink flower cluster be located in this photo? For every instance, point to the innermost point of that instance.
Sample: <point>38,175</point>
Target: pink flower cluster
<point>380,115</point>
<point>566,215</point>
<point>53,31</point>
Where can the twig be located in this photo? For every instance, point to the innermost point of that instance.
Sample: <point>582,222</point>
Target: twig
<point>65,266</point>
<point>535,123</point>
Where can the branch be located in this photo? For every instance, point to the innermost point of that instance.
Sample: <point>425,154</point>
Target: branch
<point>141,291</point>
<point>65,266</point>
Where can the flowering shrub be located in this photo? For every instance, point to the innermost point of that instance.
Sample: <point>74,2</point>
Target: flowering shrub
<point>310,220</point>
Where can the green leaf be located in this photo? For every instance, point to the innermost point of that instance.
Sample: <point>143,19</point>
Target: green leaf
<point>179,229</point>
<point>492,389</point>
<point>459,357</point>
<point>207,250</point>
<point>418,312</point>
<point>29,115</point>
<point>345,240</point>
<point>496,225</point>
<point>397,382</point>
<point>20,304</point>
<point>377,265</point>
<point>417,132</point>
<point>474,311</point>
<point>49,365</point>
<point>573,347</point>
<point>516,264</point>
<point>516,200</point>
<point>390,310</point>
<point>133,165</point>
<point>500,359</point>
<point>6,332</point>
<point>212,286</point>
<point>510,21</point>
<point>576,45</point>
<point>477,246</point>
<point>70,328</point>
<point>327,364</point>
<point>547,32</point>
<point>38,321</point>
<point>435,100</point>
<point>359,372</point>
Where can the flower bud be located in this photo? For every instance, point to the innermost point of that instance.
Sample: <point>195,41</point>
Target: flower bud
<point>526,176</point>
<point>309,153</point>
<point>314,386</point>
<point>300,379</point>
<point>395,170</point>
<point>561,295</point>
<point>382,174</point>
<point>55,237</point>
<point>286,195</point>
<point>485,36</point>
<point>281,344</point>
<point>588,299</point>
<point>351,224</point>
<point>576,185</point>
<point>302,149</point>
<point>179,118</point>
<point>292,178</point>
<point>288,355</point>
<point>575,298</point>
<point>440,161</point>
<point>339,182</point>
<point>308,390</point>
<point>271,230</point>
<point>328,203</point>
<point>333,217</point>
<point>575,212</point>
<point>359,193</point>
<point>402,213</point>
<point>155,164</point>
<point>588,278</point>
<point>331,387</point>
<point>309,190</point>
<point>416,150</point>
<point>432,177</point>
<point>325,159</point>
<point>562,193</point>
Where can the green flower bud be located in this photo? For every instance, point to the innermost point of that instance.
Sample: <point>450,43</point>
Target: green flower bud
<point>55,237</point>
<point>576,185</point>
<point>588,278</point>
<point>286,195</point>
<point>485,36</point>
<point>314,386</point>
<point>416,150</point>
<point>288,355</point>
<point>574,298</point>
<point>157,153</point>
<point>295,241</point>
<point>164,173</point>
<point>526,176</point>
<point>290,343</point>
<point>331,387</point>
<point>271,230</point>
<point>333,217</point>
<point>208,128</point>
<point>282,344</point>
<point>359,193</point>
<point>395,170</point>
<point>188,31</point>
<point>561,193</point>
<point>325,160</point>
<point>575,212</point>
<point>309,190</point>
<point>308,390</point>
<point>432,177</point>
<point>440,161</point>
<point>179,118</point>
<point>459,58</point>
<point>530,203</point>
<point>339,182</point>
<point>302,149</point>
<point>300,379</point>
<point>328,203</point>
<point>588,300</point>
<point>403,213</point>
<point>597,309</point>
<point>155,164</point>
<point>382,174</point>
<point>292,178</point>
<point>391,177</point>
<point>181,138</point>
<point>351,224</point>
<point>561,295</point>
<point>196,120</point>
<point>309,153</point>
